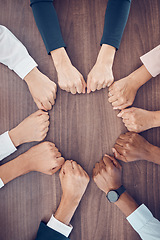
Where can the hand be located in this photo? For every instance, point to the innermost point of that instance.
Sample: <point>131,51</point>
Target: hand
<point>122,93</point>
<point>101,75</point>
<point>74,181</point>
<point>69,78</point>
<point>44,158</point>
<point>138,120</point>
<point>107,174</point>
<point>42,89</point>
<point>132,147</point>
<point>32,128</point>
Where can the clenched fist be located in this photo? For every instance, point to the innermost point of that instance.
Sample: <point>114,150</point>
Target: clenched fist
<point>44,158</point>
<point>32,128</point>
<point>42,89</point>
<point>74,181</point>
<point>107,174</point>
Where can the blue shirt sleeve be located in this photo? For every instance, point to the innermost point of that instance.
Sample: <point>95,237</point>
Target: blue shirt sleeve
<point>115,21</point>
<point>47,23</point>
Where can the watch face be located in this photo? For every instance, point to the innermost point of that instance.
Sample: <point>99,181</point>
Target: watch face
<point>112,196</point>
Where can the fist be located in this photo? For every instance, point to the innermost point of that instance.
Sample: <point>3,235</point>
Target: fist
<point>42,89</point>
<point>131,147</point>
<point>44,158</point>
<point>107,174</point>
<point>122,93</point>
<point>74,181</point>
<point>99,77</point>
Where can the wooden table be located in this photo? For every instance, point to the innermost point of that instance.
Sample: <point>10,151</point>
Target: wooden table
<point>83,127</point>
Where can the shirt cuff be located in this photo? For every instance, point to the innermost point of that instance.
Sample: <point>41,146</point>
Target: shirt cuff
<point>25,66</point>
<point>151,60</point>
<point>140,217</point>
<point>6,146</point>
<point>59,226</point>
<point>1,183</point>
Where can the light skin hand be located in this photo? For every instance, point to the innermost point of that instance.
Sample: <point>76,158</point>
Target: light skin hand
<point>139,120</point>
<point>132,147</point>
<point>42,89</point>
<point>69,78</point>
<point>32,128</point>
<point>43,158</point>
<point>122,92</point>
<point>74,181</point>
<point>101,75</point>
<point>107,174</point>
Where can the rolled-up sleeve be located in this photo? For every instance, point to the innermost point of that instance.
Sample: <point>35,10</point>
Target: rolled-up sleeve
<point>47,22</point>
<point>151,61</point>
<point>6,146</point>
<point>116,17</point>
<point>144,223</point>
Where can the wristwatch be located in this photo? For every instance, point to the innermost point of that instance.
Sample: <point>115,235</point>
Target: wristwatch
<point>114,195</point>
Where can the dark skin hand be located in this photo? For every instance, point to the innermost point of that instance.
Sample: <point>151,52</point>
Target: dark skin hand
<point>107,175</point>
<point>132,147</point>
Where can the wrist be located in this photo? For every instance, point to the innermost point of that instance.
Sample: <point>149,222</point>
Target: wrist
<point>15,136</point>
<point>113,188</point>
<point>106,55</point>
<point>153,154</point>
<point>65,210</point>
<point>156,118</point>
<point>139,77</point>
<point>13,169</point>
<point>126,204</point>
<point>31,74</point>
<point>60,58</point>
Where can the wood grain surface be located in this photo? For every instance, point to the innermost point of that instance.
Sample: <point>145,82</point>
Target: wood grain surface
<point>83,127</point>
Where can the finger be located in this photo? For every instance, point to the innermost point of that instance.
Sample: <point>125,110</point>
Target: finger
<point>79,87</point>
<point>119,149</point>
<point>115,162</point>
<point>58,154</point>
<point>68,166</point>
<point>54,170</point>
<point>122,106</point>
<point>51,100</point>
<point>62,171</point>
<point>84,85</point>
<point>93,85</point>
<point>107,161</point>
<point>100,86</point>
<point>104,85</point>
<point>75,166</point>
<point>47,104</point>
<point>96,169</point>
<point>118,155</point>
<point>88,84</point>
<point>40,105</point>
<point>73,90</point>
<point>113,98</point>
<point>120,142</point>
<point>59,162</point>
<point>102,165</point>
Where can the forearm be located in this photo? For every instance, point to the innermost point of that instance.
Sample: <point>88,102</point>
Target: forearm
<point>115,21</point>
<point>140,76</point>
<point>13,169</point>
<point>65,211</point>
<point>47,23</point>
<point>106,55</point>
<point>153,154</point>
<point>126,204</point>
<point>60,58</point>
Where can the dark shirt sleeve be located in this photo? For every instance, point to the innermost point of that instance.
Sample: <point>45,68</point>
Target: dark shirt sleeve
<point>115,21</point>
<point>47,233</point>
<point>47,23</point>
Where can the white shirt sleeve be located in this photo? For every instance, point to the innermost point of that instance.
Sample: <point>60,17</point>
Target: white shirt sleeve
<point>6,146</point>
<point>144,223</point>
<point>151,61</point>
<point>14,55</point>
<point>59,226</point>
<point>1,183</point>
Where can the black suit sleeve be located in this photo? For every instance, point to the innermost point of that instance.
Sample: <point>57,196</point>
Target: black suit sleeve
<point>115,21</point>
<point>47,23</point>
<point>47,233</point>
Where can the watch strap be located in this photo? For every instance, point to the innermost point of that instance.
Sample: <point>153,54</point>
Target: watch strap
<point>120,190</point>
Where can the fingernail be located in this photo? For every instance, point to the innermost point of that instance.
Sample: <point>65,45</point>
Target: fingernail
<point>115,108</point>
<point>119,114</point>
